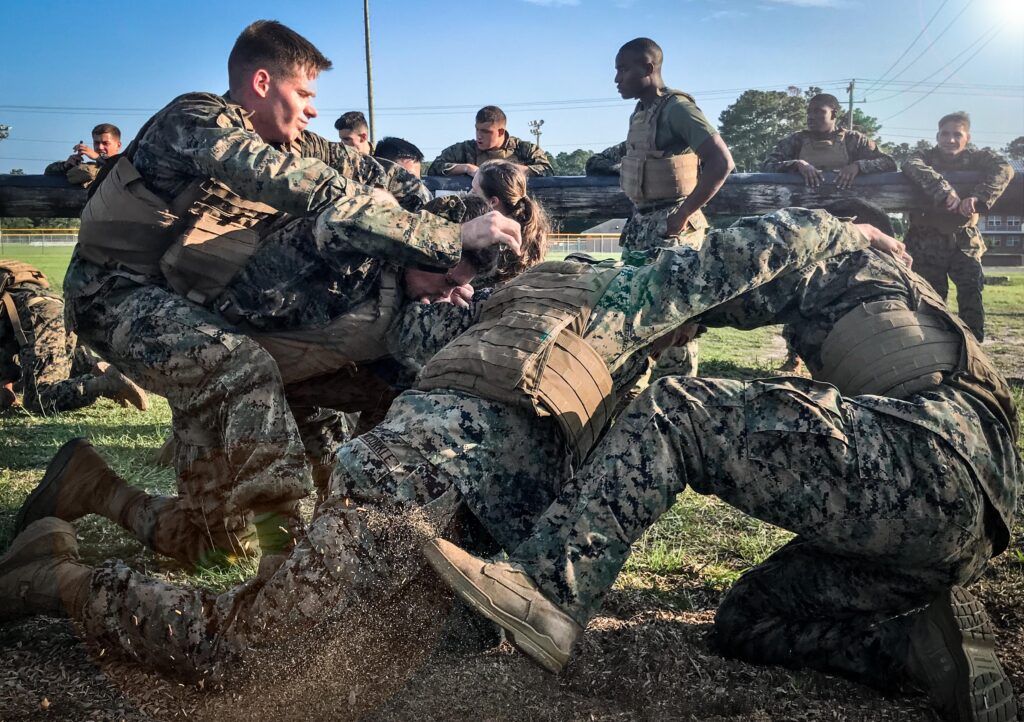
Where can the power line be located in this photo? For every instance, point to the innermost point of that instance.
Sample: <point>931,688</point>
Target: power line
<point>934,40</point>
<point>912,42</point>
<point>952,60</point>
<point>955,71</point>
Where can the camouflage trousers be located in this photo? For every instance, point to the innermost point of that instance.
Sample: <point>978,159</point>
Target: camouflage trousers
<point>941,257</point>
<point>52,376</point>
<point>238,451</point>
<point>886,515</point>
<point>438,463</point>
<point>642,236</point>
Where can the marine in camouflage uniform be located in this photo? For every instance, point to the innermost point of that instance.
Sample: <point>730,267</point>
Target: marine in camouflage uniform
<point>895,495</point>
<point>946,244</point>
<point>858,148</point>
<point>55,374</point>
<point>437,454</point>
<point>512,149</point>
<point>238,446</point>
<point>680,127</point>
<point>671,163</point>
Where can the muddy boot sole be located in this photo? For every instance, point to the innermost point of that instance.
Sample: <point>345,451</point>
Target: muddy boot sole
<point>953,657</point>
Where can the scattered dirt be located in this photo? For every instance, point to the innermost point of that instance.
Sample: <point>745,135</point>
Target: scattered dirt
<point>641,660</point>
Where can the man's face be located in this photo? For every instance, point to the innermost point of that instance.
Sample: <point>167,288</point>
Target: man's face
<point>427,286</point>
<point>358,139</point>
<point>106,144</point>
<point>489,135</point>
<point>284,105</point>
<point>413,166</point>
<point>821,118</point>
<point>632,75</point>
<point>952,139</point>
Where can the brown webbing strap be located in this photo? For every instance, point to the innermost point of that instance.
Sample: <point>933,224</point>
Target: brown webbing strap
<point>12,312</point>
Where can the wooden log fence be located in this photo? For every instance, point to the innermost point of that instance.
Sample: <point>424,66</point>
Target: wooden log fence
<point>588,197</point>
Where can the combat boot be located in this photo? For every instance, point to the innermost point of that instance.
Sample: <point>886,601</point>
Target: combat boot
<point>78,482</point>
<point>40,573</point>
<point>506,595</point>
<point>952,658</point>
<point>115,385</point>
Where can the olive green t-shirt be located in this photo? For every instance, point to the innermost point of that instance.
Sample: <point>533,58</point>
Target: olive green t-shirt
<point>681,126</point>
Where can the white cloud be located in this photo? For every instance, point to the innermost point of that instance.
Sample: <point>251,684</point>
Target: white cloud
<point>726,15</point>
<point>553,3</point>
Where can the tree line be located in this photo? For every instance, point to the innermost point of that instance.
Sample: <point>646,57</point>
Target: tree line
<point>759,119</point>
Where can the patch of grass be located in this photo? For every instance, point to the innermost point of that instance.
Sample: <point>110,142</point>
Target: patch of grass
<point>700,538</point>
<point>51,260</point>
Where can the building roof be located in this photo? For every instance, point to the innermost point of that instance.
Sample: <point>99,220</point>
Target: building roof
<point>614,226</point>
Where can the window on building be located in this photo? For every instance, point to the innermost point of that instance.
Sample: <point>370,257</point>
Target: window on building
<point>995,242</point>
<point>994,222</point>
<point>1012,241</point>
<point>1013,221</point>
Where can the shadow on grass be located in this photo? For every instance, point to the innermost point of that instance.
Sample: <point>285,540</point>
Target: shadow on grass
<point>35,446</point>
<point>721,369</point>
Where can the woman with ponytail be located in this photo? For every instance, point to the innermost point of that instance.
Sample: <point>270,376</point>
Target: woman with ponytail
<point>503,186</point>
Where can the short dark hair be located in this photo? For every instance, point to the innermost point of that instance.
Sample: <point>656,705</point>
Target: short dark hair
<point>276,47</point>
<point>959,116</point>
<point>862,212</point>
<point>391,148</point>
<point>828,100</point>
<point>107,128</point>
<point>352,120</point>
<point>491,114</point>
<point>644,48</point>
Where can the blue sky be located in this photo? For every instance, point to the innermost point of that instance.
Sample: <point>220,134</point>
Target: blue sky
<point>435,63</point>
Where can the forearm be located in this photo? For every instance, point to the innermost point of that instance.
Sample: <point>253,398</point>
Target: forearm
<point>712,177</point>
<point>997,174</point>
<point>684,283</point>
<point>258,172</point>
<point>418,240</point>
<point>783,158</point>
<point>927,179</point>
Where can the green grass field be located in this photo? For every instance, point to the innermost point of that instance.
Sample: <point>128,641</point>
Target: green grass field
<point>700,536</point>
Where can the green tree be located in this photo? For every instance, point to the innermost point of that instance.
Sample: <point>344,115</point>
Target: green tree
<point>757,121</point>
<point>866,124</point>
<point>1015,148</point>
<point>902,151</point>
<point>574,163</point>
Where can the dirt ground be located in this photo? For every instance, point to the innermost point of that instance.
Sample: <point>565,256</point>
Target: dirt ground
<point>643,659</point>
<point>649,656</point>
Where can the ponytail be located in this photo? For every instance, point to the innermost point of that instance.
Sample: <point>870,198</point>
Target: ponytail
<point>505,181</point>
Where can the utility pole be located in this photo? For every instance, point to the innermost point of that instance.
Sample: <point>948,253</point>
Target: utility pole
<point>369,68</point>
<point>849,116</point>
<point>535,129</point>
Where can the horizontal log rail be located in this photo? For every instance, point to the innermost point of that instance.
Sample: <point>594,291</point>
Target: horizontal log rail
<point>589,197</point>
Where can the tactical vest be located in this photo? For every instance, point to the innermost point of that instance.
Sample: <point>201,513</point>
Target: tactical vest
<point>198,242</point>
<point>890,349</point>
<point>528,350</point>
<point>15,273</point>
<point>829,154</point>
<point>648,174</point>
<point>351,339</point>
